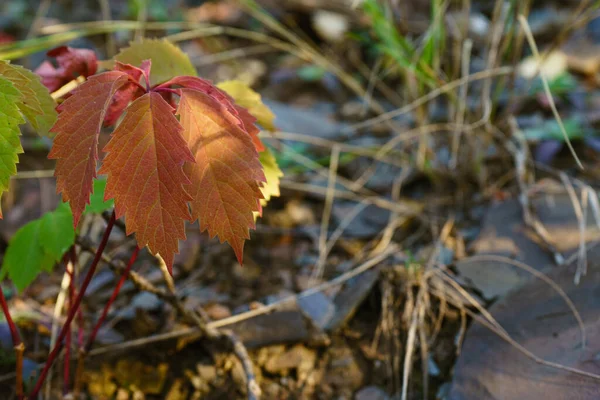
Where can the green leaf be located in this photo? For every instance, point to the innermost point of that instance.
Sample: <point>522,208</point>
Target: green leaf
<point>311,73</point>
<point>272,173</point>
<point>168,61</point>
<point>57,234</point>
<point>10,144</point>
<point>25,258</point>
<point>35,103</point>
<point>550,130</point>
<point>97,203</point>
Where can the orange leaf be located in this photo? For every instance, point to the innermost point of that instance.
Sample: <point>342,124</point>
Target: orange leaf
<point>75,146</point>
<point>226,176</point>
<point>145,175</point>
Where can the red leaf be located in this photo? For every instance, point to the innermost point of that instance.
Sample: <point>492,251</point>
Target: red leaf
<point>145,175</point>
<point>71,64</point>
<point>226,176</point>
<point>75,146</point>
<point>127,93</point>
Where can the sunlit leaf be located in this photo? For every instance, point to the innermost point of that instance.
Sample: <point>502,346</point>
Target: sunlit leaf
<point>227,172</point>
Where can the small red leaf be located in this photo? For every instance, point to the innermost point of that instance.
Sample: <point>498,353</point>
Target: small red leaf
<point>71,64</point>
<point>75,146</point>
<point>145,175</point>
<point>129,92</point>
<point>226,176</point>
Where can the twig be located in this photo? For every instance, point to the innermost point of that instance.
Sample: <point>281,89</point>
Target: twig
<point>367,265</point>
<point>536,54</point>
<point>73,311</point>
<point>329,198</point>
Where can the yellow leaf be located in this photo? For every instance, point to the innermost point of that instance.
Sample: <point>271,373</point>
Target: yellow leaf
<point>248,98</point>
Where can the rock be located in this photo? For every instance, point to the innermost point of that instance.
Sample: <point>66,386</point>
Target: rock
<point>537,318</point>
<point>371,393</point>
<point>217,311</point>
<point>308,122</point>
<point>143,301</point>
<point>505,234</point>
<point>343,370</point>
<point>318,307</point>
<point>368,223</point>
<point>350,297</point>
<point>297,358</point>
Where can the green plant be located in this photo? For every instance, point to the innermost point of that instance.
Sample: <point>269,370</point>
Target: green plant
<point>182,149</point>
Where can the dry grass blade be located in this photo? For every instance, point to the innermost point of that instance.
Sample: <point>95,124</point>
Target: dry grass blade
<point>430,96</point>
<point>581,215</point>
<point>329,197</point>
<point>536,54</point>
<point>462,104</point>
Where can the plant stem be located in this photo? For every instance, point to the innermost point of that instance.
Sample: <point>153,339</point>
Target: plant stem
<point>67,367</point>
<point>84,350</point>
<point>17,343</point>
<point>73,310</point>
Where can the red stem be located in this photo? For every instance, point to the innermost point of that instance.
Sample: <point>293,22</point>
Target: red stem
<point>115,292</point>
<point>17,343</point>
<point>14,332</point>
<point>73,310</point>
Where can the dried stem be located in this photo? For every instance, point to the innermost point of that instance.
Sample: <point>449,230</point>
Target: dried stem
<point>71,298</point>
<point>73,310</point>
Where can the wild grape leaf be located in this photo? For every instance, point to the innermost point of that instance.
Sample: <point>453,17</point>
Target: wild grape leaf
<point>225,178</point>
<point>43,122</point>
<point>272,173</point>
<point>71,64</point>
<point>57,234</point>
<point>168,60</point>
<point>28,103</point>
<point>75,146</point>
<point>145,175</point>
<point>24,258</point>
<point>36,104</point>
<point>246,121</point>
<point>246,97</point>
<point>97,202</point>
<point>10,144</point>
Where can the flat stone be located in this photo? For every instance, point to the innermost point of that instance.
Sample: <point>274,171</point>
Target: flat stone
<point>505,234</point>
<point>371,393</point>
<point>537,318</point>
<point>318,307</point>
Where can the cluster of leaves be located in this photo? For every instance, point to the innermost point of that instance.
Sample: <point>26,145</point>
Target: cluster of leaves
<point>182,149</point>
<point>22,97</point>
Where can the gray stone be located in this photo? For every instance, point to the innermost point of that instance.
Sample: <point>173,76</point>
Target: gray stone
<point>371,393</point>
